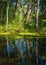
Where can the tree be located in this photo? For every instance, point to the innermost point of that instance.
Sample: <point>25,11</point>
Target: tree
<point>28,11</point>
<point>37,26</point>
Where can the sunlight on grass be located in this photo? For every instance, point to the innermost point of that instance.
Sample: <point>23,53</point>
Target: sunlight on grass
<point>44,20</point>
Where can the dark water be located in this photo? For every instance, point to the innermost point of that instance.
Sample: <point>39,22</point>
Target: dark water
<point>22,51</point>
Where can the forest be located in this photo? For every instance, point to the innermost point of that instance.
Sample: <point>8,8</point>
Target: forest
<point>22,32</point>
<point>25,17</point>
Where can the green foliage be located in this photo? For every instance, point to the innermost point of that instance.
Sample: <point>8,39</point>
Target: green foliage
<point>21,16</point>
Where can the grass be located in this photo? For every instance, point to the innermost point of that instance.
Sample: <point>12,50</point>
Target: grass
<point>44,20</point>
<point>21,32</point>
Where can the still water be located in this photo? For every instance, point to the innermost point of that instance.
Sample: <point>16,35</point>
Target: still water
<point>22,51</point>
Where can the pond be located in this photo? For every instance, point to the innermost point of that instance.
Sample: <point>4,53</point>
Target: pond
<point>22,51</point>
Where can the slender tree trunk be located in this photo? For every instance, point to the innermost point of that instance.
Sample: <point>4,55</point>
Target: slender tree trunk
<point>1,12</point>
<point>7,10</point>
<point>37,51</point>
<point>44,11</point>
<point>22,5</point>
<point>28,11</point>
<point>21,48</point>
<point>22,58</point>
<point>37,14</point>
<point>21,14</point>
<point>7,46</point>
<point>37,26</point>
<point>28,51</point>
<point>17,53</point>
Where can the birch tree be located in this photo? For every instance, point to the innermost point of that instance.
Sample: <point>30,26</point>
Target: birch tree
<point>28,11</point>
<point>37,26</point>
<point>7,10</point>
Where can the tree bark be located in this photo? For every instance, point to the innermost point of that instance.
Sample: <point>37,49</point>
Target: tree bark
<point>28,11</point>
<point>37,26</point>
<point>7,11</point>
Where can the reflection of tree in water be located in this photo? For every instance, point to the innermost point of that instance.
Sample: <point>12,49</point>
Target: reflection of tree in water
<point>19,49</point>
<point>23,51</point>
<point>3,48</point>
<point>13,49</point>
<point>27,51</point>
